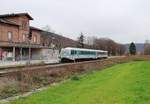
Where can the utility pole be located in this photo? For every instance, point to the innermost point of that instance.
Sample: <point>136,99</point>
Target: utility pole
<point>0,53</point>
<point>29,43</point>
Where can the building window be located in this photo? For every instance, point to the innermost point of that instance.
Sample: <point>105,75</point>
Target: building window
<point>24,37</point>
<point>24,25</point>
<point>35,39</point>
<point>9,34</point>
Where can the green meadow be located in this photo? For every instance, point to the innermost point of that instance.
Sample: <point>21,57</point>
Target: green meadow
<point>127,83</point>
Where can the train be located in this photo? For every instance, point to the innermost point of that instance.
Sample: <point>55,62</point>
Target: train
<point>73,54</point>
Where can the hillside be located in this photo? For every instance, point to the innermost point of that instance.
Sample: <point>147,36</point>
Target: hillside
<point>59,40</point>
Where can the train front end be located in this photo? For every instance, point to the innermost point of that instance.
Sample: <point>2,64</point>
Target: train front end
<point>65,55</point>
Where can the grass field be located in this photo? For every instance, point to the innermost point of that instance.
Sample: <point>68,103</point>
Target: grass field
<point>127,83</point>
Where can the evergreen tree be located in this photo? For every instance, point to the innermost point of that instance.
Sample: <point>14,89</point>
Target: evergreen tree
<point>132,49</point>
<point>81,41</point>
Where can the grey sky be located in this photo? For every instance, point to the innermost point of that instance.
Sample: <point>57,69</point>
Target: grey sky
<point>122,20</point>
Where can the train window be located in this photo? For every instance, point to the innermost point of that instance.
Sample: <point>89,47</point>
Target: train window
<point>80,52</point>
<point>73,52</point>
<point>87,53</point>
<point>102,53</point>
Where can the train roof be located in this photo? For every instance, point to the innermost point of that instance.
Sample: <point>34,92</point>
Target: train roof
<point>83,49</point>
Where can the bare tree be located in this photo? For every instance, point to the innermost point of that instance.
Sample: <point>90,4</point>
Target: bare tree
<point>90,40</point>
<point>109,45</point>
<point>47,28</point>
<point>121,49</point>
<point>147,47</point>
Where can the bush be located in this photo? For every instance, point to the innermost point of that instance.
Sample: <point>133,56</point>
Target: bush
<point>75,77</point>
<point>8,91</point>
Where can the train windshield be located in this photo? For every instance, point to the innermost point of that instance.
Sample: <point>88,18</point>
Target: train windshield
<point>64,52</point>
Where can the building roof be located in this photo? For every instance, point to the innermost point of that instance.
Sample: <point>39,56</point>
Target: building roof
<point>16,14</point>
<point>35,28</point>
<point>8,22</point>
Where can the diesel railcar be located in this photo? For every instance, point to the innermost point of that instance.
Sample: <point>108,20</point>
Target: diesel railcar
<point>72,54</point>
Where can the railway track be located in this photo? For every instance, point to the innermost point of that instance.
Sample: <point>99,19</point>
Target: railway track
<point>34,67</point>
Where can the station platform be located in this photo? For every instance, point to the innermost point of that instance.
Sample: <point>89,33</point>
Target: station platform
<point>5,64</point>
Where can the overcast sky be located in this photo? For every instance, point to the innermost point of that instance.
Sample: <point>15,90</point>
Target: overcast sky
<point>121,20</point>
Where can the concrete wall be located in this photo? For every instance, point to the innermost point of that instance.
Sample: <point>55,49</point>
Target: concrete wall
<point>50,54</point>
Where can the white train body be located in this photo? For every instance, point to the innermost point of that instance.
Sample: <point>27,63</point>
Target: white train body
<point>80,53</point>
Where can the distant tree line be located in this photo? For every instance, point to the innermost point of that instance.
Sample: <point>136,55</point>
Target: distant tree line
<point>110,45</point>
<point>107,44</point>
<point>53,40</point>
<point>114,48</point>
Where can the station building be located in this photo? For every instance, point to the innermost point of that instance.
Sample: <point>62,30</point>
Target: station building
<point>19,41</point>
